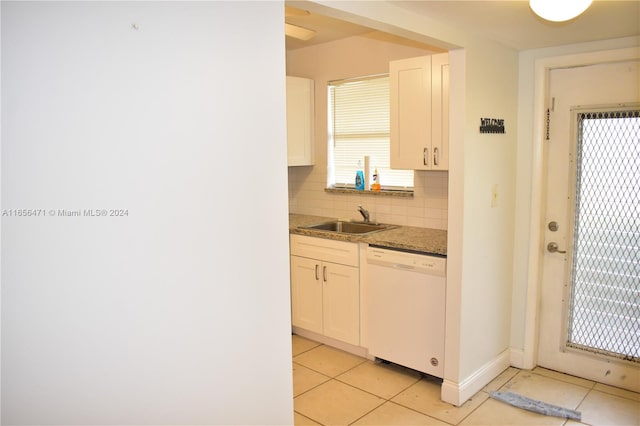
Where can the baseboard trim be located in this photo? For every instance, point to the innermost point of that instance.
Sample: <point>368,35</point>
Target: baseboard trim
<point>347,347</point>
<point>517,358</point>
<point>458,393</point>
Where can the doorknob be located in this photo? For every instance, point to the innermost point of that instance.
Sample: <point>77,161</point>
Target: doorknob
<point>553,248</point>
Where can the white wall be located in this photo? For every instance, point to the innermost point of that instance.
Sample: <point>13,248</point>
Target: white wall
<point>528,163</point>
<point>489,160</point>
<point>480,237</point>
<point>480,234</point>
<point>179,312</point>
<point>356,57</point>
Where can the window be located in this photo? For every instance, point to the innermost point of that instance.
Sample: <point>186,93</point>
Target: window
<point>359,125</point>
<point>605,276</point>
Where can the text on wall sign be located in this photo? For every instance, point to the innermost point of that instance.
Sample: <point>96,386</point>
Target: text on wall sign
<point>492,125</point>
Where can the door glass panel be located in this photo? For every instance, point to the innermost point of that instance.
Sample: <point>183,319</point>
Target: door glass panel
<point>604,307</point>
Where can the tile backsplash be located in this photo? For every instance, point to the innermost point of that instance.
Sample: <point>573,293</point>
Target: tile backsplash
<point>426,209</point>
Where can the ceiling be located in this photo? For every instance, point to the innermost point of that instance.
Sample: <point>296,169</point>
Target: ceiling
<point>327,29</point>
<point>511,23</point>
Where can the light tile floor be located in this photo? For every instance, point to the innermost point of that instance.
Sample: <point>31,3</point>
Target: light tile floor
<point>332,387</point>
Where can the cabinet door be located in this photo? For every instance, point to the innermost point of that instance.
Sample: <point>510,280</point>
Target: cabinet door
<point>300,116</point>
<point>440,112</point>
<point>341,300</point>
<point>410,109</point>
<point>306,293</point>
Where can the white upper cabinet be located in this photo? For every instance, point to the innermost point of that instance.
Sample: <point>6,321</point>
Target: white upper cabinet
<point>300,117</point>
<point>420,113</point>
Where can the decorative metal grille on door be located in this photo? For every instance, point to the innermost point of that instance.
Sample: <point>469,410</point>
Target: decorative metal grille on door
<point>604,308</point>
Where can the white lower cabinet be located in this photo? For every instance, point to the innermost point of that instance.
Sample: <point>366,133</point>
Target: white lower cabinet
<point>325,287</point>
<point>306,294</point>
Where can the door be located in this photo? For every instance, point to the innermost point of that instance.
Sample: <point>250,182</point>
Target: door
<point>306,293</point>
<point>440,112</point>
<point>300,117</point>
<point>341,300</point>
<point>590,294</point>
<point>410,109</point>
<point>419,112</point>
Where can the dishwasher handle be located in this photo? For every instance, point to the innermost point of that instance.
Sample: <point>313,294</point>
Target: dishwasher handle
<point>402,266</point>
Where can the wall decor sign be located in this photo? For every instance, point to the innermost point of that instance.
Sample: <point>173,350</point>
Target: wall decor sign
<point>548,123</point>
<point>492,125</point>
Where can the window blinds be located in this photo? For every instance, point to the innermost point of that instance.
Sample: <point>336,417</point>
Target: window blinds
<point>359,126</point>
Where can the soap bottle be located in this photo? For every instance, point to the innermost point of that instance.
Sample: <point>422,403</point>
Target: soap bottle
<point>375,186</point>
<point>359,178</point>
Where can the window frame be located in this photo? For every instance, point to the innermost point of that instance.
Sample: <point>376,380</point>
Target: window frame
<point>350,132</point>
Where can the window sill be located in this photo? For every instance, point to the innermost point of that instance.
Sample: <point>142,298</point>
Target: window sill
<point>381,193</point>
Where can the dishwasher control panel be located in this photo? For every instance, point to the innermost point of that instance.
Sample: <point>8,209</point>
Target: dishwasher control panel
<point>421,263</point>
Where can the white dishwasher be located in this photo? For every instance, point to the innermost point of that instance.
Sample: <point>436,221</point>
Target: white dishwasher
<point>406,308</point>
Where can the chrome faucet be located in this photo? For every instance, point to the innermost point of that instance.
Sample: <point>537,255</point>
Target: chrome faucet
<point>364,213</point>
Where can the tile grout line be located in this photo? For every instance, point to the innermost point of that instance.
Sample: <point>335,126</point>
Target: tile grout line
<point>593,383</point>
<point>588,385</point>
<point>314,387</point>
<point>422,377</point>
<point>591,388</point>
<point>488,398</point>
<point>325,374</point>
<point>307,417</point>
<point>385,400</point>
<point>475,409</point>
<point>335,378</point>
<point>370,411</point>
<point>614,394</point>
<point>306,350</point>
<point>388,400</point>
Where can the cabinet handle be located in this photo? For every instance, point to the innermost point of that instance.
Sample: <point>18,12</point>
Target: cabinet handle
<point>317,267</point>
<point>435,156</point>
<point>425,156</point>
<point>324,273</point>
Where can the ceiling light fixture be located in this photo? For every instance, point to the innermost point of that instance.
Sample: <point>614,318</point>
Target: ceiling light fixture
<point>559,10</point>
<point>298,32</point>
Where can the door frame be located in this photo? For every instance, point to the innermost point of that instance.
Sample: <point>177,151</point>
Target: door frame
<point>542,73</point>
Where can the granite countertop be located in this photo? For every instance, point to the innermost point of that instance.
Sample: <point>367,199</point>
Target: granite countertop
<point>425,240</point>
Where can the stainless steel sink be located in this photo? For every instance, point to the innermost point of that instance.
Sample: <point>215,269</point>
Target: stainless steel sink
<point>350,227</point>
